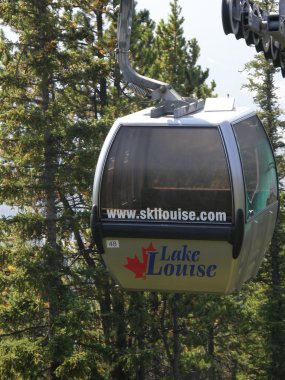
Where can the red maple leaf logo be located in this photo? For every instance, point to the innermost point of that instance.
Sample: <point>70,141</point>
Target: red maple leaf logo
<point>137,266</point>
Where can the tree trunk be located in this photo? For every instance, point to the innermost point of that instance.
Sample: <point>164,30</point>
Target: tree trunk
<point>53,255</point>
<point>176,339</point>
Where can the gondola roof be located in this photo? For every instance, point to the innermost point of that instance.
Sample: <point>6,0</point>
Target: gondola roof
<point>200,118</point>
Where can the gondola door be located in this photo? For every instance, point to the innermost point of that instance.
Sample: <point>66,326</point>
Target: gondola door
<point>261,193</point>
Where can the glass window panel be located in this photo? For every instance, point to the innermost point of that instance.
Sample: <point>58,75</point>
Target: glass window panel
<point>258,165</point>
<point>162,174</point>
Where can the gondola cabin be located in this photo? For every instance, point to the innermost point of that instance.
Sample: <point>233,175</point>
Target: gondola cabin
<point>185,204</point>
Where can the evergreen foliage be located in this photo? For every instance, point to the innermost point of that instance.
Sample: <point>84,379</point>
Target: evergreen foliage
<point>61,315</point>
<point>176,59</point>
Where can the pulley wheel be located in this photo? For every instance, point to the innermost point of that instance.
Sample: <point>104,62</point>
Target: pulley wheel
<point>230,25</point>
<point>274,46</point>
<point>247,34</point>
<point>256,37</point>
<point>257,40</point>
<point>276,61</point>
<point>282,63</point>
<point>266,45</point>
<point>226,17</point>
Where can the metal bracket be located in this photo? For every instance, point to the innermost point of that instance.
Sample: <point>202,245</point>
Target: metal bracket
<point>170,101</point>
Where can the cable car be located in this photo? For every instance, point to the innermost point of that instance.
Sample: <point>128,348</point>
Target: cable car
<point>185,204</point>
<point>185,195</point>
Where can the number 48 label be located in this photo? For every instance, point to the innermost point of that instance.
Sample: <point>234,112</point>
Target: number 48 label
<point>113,244</point>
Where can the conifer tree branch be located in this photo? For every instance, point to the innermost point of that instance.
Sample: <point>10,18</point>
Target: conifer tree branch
<point>81,246</point>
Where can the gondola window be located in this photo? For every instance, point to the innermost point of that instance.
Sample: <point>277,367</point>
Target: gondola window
<point>176,174</point>
<point>258,165</point>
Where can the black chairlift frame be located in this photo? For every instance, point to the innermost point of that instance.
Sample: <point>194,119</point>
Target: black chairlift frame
<point>170,101</point>
<point>259,27</point>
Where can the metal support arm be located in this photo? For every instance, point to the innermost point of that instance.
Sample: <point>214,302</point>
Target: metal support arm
<point>171,101</point>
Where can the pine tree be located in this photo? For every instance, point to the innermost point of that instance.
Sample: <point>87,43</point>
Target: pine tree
<point>53,90</point>
<point>176,58</point>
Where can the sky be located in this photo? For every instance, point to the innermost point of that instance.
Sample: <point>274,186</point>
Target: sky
<point>223,55</point>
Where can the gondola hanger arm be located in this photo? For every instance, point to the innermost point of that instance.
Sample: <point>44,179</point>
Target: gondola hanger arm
<point>170,101</point>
